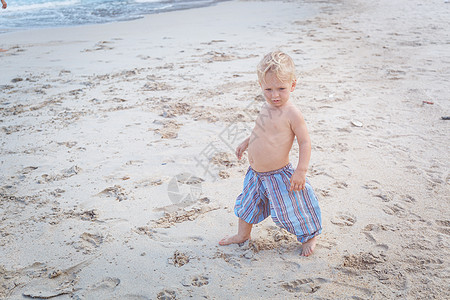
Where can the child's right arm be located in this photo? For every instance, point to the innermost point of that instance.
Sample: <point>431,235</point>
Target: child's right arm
<point>242,147</point>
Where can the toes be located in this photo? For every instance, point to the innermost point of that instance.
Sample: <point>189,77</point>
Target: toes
<point>224,241</point>
<point>306,252</point>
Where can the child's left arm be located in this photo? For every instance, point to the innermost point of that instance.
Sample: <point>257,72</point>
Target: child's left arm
<point>298,126</point>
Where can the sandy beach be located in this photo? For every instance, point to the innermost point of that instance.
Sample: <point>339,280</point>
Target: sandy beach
<point>118,176</point>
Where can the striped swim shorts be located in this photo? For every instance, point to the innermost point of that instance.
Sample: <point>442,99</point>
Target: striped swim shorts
<point>267,193</point>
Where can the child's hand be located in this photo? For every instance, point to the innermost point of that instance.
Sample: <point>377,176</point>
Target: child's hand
<point>298,180</point>
<point>241,149</point>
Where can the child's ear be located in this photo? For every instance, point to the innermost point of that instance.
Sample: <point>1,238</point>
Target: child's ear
<point>294,84</point>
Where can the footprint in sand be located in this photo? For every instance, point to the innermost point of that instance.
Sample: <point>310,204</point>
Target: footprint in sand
<point>396,210</point>
<point>64,174</point>
<point>309,285</point>
<point>178,259</point>
<point>344,219</point>
<point>385,197</point>
<point>198,281</point>
<point>28,170</point>
<point>107,284</point>
<point>57,283</point>
<point>341,185</point>
<point>425,262</point>
<point>101,289</point>
<point>373,240</point>
<point>323,192</point>
<point>90,239</point>
<point>372,185</point>
<point>326,244</point>
<point>167,295</point>
<point>115,191</point>
<point>363,261</point>
<point>229,258</point>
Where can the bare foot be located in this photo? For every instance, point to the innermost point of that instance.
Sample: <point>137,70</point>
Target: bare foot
<point>3,50</point>
<point>235,239</point>
<point>308,247</point>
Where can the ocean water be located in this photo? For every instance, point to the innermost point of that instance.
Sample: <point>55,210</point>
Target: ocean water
<point>25,14</point>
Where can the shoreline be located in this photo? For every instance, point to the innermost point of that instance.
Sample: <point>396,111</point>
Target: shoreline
<point>153,33</point>
<point>118,175</point>
<point>156,10</point>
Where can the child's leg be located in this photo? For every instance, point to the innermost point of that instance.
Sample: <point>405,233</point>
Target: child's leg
<point>244,230</point>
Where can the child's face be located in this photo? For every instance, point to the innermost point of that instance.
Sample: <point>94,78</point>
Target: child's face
<point>276,92</point>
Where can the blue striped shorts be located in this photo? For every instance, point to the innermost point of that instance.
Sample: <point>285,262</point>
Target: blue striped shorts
<point>267,193</point>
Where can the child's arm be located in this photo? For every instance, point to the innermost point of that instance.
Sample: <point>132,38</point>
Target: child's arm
<point>298,126</point>
<point>4,5</point>
<point>242,147</point>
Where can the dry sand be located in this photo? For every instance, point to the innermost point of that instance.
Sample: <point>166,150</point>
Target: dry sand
<point>117,174</point>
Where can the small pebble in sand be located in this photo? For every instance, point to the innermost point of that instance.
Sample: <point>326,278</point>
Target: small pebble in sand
<point>357,123</point>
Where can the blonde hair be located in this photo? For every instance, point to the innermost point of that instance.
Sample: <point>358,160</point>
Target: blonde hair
<point>278,62</point>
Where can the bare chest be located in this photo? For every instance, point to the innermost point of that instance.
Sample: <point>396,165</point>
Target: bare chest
<point>272,122</point>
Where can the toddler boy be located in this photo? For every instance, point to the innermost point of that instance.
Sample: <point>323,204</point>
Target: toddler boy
<point>271,185</point>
